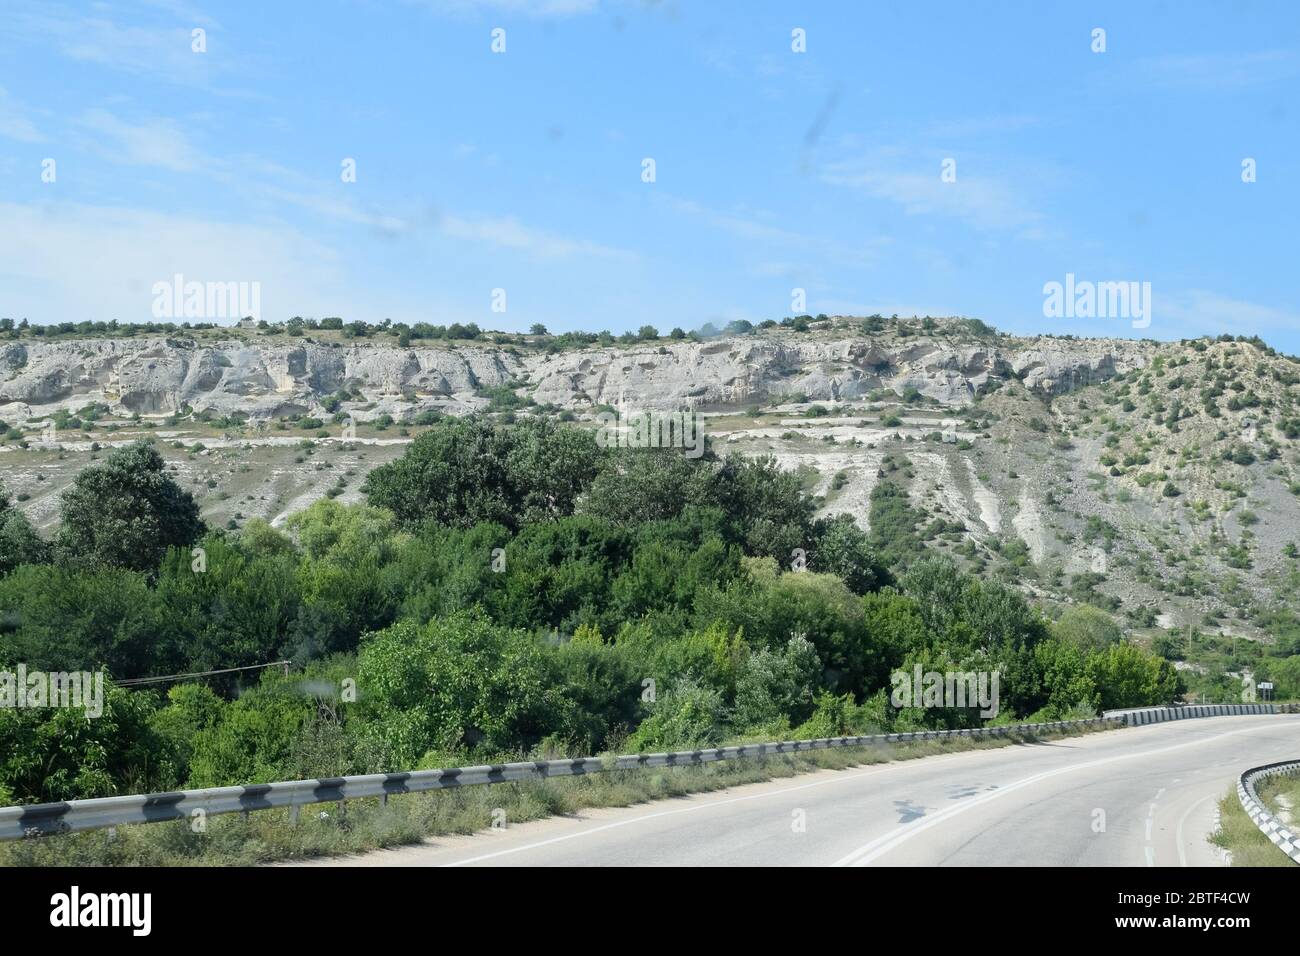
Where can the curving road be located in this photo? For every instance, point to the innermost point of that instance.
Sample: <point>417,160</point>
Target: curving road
<point>1142,796</point>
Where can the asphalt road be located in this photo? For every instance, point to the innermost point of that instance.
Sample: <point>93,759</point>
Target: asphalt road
<point>1141,796</point>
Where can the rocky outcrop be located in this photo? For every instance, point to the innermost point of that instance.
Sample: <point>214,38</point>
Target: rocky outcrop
<point>250,380</point>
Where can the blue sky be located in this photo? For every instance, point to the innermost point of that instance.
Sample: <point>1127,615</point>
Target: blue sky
<point>775,170</point>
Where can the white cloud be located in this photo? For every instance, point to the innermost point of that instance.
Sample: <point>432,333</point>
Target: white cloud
<point>14,123</point>
<point>979,126</point>
<point>134,49</point>
<point>509,233</point>
<point>537,9</point>
<point>155,142</point>
<point>69,262</point>
<point>1200,312</point>
<point>159,45</point>
<point>1218,71</point>
<point>751,226</point>
<point>342,209</point>
<point>979,201</point>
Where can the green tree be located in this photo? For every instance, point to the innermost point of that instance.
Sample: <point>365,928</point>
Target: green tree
<point>457,683</point>
<point>1088,628</point>
<point>634,486</point>
<point>236,611</point>
<point>63,753</point>
<point>1128,676</point>
<point>774,685</point>
<point>255,737</point>
<point>126,512</point>
<point>19,542</point>
<point>769,513</point>
<point>842,548</point>
<point>58,618</point>
<point>464,471</point>
<point>685,715</point>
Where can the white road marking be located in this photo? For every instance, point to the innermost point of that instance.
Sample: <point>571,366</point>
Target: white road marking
<point>668,813</point>
<point>839,778</point>
<point>873,850</point>
<point>1178,832</point>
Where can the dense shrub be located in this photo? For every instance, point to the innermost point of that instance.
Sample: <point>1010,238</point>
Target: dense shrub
<point>513,590</point>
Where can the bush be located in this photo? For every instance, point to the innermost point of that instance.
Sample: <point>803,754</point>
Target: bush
<point>685,716</point>
<point>456,683</point>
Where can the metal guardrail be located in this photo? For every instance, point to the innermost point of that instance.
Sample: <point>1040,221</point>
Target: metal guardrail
<point>69,816</point>
<point>1137,716</point>
<point>66,817</point>
<point>1282,836</point>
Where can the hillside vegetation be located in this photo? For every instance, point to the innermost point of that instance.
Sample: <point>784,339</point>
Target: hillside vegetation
<point>1106,523</point>
<point>506,590</point>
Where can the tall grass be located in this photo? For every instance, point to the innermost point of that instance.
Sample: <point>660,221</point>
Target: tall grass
<point>1238,833</point>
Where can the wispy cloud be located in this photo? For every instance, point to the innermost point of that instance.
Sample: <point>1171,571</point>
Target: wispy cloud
<point>72,261</point>
<point>753,227</point>
<point>343,209</point>
<point>1201,312</point>
<point>144,38</point>
<point>980,201</point>
<point>153,142</point>
<point>14,122</point>
<point>282,186</point>
<point>536,9</point>
<point>135,49</point>
<point>972,126</point>
<point>1218,70</point>
<point>509,233</point>
<point>739,225</point>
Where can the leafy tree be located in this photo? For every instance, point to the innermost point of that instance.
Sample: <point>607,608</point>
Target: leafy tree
<point>63,753</point>
<point>842,548</point>
<point>1088,628</point>
<point>190,709</point>
<point>766,507</point>
<point>776,685</point>
<point>235,612</point>
<point>713,656</point>
<point>598,690</point>
<point>254,739</point>
<point>639,485</point>
<point>456,683</point>
<point>772,607</point>
<point>685,715</point>
<point>19,542</point>
<point>465,471</point>
<point>439,570</point>
<point>559,573</point>
<point>57,618</point>
<point>126,512</point>
<point>1067,682</point>
<point>1128,676</point>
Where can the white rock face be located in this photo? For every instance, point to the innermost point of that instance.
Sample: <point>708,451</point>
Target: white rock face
<point>160,376</point>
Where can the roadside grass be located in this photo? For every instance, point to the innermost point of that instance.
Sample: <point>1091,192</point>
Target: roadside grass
<point>1238,833</point>
<point>267,836</point>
